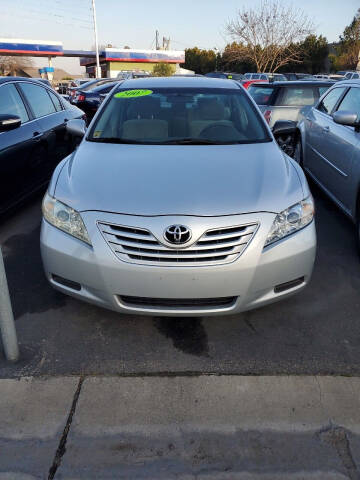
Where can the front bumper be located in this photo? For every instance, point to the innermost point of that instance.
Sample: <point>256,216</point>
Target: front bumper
<point>250,280</point>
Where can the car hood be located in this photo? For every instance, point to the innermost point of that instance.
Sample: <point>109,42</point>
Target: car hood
<point>203,180</point>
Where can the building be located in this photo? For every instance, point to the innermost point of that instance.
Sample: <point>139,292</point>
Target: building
<point>112,60</point>
<point>115,60</point>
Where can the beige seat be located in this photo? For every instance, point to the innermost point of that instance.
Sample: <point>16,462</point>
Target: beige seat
<point>143,123</point>
<point>144,128</point>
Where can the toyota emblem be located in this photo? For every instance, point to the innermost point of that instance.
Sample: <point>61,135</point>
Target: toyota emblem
<point>177,234</point>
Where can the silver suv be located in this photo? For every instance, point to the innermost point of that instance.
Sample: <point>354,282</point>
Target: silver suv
<point>328,146</point>
<point>178,201</point>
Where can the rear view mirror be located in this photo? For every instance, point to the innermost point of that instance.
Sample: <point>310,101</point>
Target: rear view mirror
<point>76,127</point>
<point>284,127</point>
<point>345,117</point>
<point>9,122</point>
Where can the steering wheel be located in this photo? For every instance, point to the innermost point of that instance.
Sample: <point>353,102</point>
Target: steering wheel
<point>220,131</point>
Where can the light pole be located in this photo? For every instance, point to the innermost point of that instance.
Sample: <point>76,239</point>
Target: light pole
<point>216,50</point>
<point>97,69</point>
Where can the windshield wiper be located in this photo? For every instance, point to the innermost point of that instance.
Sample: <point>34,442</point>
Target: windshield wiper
<point>178,141</point>
<point>192,141</point>
<point>114,140</point>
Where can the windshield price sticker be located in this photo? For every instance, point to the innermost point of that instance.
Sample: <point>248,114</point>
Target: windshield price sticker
<point>133,93</point>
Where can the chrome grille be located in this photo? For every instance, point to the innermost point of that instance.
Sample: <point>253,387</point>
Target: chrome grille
<point>138,245</point>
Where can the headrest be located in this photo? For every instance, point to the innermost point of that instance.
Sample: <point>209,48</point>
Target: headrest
<point>210,109</point>
<point>144,107</point>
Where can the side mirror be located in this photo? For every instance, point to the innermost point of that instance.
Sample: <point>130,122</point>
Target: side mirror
<point>345,117</point>
<point>9,122</point>
<point>284,127</point>
<point>76,127</point>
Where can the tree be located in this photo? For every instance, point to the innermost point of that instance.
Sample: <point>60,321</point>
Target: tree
<point>232,59</point>
<point>315,50</point>
<point>269,35</point>
<point>313,57</point>
<point>200,61</point>
<point>10,65</point>
<point>349,46</point>
<point>163,70</point>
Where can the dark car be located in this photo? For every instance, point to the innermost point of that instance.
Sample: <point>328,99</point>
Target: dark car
<point>90,100</point>
<point>229,75</point>
<point>84,86</point>
<point>298,76</point>
<point>33,137</point>
<point>45,81</point>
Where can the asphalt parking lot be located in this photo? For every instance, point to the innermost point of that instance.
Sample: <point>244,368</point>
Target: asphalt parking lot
<point>315,332</point>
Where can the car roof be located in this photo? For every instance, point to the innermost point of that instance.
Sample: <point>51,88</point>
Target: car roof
<point>353,81</point>
<point>37,81</point>
<point>179,82</point>
<point>299,83</point>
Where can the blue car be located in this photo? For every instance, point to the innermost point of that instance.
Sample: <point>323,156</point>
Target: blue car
<point>90,100</point>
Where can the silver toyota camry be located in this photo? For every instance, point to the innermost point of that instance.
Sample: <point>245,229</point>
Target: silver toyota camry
<point>178,201</point>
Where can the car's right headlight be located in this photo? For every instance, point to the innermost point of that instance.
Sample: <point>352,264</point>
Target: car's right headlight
<point>292,219</point>
<point>65,218</point>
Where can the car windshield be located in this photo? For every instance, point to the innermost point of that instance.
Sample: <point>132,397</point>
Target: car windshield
<point>261,94</point>
<point>179,116</point>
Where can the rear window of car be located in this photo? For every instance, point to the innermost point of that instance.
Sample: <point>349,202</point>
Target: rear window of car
<point>296,96</point>
<point>260,94</point>
<point>104,88</point>
<point>38,98</point>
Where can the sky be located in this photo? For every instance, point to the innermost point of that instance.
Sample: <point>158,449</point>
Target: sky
<point>188,23</point>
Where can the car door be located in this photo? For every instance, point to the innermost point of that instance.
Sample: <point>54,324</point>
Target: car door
<point>340,150</point>
<point>19,149</point>
<point>317,125</point>
<point>49,113</point>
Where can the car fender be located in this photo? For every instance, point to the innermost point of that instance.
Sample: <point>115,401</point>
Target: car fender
<point>56,174</point>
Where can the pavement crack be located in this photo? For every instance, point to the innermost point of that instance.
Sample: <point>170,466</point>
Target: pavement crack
<point>60,452</point>
<point>250,325</point>
<point>337,438</point>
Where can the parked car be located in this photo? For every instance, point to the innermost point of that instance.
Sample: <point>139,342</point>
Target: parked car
<point>228,75</point>
<point>270,77</point>
<point>178,201</point>
<point>329,76</point>
<point>62,87</point>
<point>285,101</point>
<point>297,76</point>
<point>77,82</point>
<point>33,137</point>
<point>246,83</point>
<point>352,75</point>
<point>44,81</point>
<point>328,146</point>
<point>92,83</point>
<point>127,74</point>
<point>89,100</point>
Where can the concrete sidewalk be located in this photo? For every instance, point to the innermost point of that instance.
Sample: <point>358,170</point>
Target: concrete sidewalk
<point>205,427</point>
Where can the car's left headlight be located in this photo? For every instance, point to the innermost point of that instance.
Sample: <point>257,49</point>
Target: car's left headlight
<point>65,218</point>
<point>292,219</point>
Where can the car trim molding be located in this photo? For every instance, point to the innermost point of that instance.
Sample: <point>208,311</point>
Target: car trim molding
<point>343,174</point>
